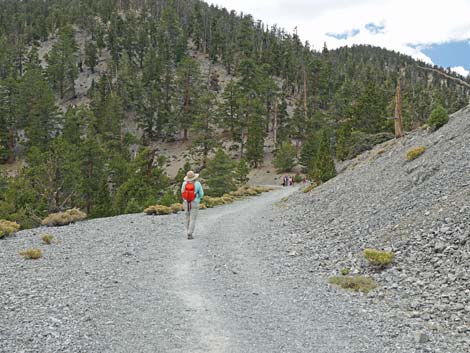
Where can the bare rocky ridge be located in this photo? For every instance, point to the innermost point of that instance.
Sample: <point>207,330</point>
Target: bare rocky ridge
<point>418,209</point>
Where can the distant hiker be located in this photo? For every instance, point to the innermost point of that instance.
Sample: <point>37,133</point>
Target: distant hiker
<point>192,193</point>
<point>286,180</point>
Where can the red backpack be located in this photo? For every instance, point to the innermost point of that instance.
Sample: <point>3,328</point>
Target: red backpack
<point>189,192</point>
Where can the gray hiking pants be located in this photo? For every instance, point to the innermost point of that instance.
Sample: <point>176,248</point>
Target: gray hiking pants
<point>191,215</point>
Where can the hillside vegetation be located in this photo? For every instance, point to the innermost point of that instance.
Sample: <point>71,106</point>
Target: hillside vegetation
<point>89,91</point>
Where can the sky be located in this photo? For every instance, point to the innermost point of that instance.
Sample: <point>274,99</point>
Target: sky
<point>434,31</point>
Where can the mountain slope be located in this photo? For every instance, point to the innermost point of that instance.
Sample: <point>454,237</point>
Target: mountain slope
<point>418,209</point>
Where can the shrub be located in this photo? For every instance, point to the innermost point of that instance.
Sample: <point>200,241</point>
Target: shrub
<point>214,201</point>
<point>354,283</point>
<point>63,218</point>
<point>7,227</point>
<point>158,210</point>
<point>31,254</point>
<point>47,239</point>
<point>438,117</point>
<point>177,207</point>
<point>361,142</point>
<point>345,271</point>
<point>378,257</point>
<point>415,153</point>
<point>132,206</point>
<point>310,188</point>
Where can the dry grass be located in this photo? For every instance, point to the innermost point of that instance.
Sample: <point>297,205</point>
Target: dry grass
<point>158,210</point>
<point>177,207</point>
<point>354,283</point>
<point>310,188</point>
<point>31,254</point>
<point>378,257</point>
<point>415,153</point>
<point>7,228</point>
<point>63,218</point>
<point>47,239</point>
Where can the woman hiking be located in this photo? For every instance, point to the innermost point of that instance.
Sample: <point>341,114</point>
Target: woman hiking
<point>192,193</point>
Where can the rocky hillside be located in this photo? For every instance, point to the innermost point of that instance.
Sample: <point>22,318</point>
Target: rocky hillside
<point>419,209</point>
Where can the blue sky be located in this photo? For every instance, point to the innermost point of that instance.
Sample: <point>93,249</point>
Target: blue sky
<point>433,31</point>
<point>450,54</point>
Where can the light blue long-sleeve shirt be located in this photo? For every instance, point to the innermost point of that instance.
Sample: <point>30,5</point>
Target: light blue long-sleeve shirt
<point>198,190</point>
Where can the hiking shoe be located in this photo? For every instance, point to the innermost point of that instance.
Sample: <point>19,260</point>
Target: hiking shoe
<point>190,236</point>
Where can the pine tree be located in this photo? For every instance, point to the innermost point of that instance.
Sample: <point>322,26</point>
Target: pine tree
<point>188,91</point>
<point>91,55</point>
<point>220,174</point>
<point>323,168</point>
<point>38,109</point>
<point>146,183</point>
<point>205,139</point>
<point>343,141</point>
<point>255,138</point>
<point>284,160</point>
<point>242,172</point>
<point>309,151</point>
<point>62,60</point>
<point>9,118</point>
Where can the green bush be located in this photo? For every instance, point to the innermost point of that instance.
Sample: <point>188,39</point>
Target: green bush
<point>345,271</point>
<point>7,227</point>
<point>378,257</point>
<point>415,153</point>
<point>31,254</point>
<point>438,117</point>
<point>354,283</point>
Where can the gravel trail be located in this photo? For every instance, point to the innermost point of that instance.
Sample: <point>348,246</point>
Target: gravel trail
<point>133,283</point>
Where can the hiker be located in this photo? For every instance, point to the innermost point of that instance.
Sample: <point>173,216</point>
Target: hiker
<point>192,193</point>
<point>286,180</point>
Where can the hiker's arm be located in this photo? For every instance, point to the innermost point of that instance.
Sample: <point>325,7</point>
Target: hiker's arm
<point>182,186</point>
<point>201,191</point>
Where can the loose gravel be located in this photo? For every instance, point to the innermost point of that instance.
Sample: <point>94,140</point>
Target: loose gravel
<point>254,279</point>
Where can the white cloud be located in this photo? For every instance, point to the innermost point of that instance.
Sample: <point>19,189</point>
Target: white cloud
<point>461,71</point>
<point>405,21</point>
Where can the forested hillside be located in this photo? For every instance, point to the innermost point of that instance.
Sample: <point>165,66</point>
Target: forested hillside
<point>90,88</point>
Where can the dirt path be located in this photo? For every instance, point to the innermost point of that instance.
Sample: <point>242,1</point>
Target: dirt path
<point>135,284</point>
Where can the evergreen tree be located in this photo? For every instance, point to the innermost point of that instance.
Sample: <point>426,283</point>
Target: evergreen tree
<point>309,151</point>
<point>62,61</point>
<point>220,174</point>
<point>188,91</point>
<point>147,182</point>
<point>343,141</point>
<point>91,55</point>
<point>323,168</point>
<point>285,158</point>
<point>39,112</point>
<point>9,118</point>
<point>242,172</point>
<point>438,117</point>
<point>205,139</point>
